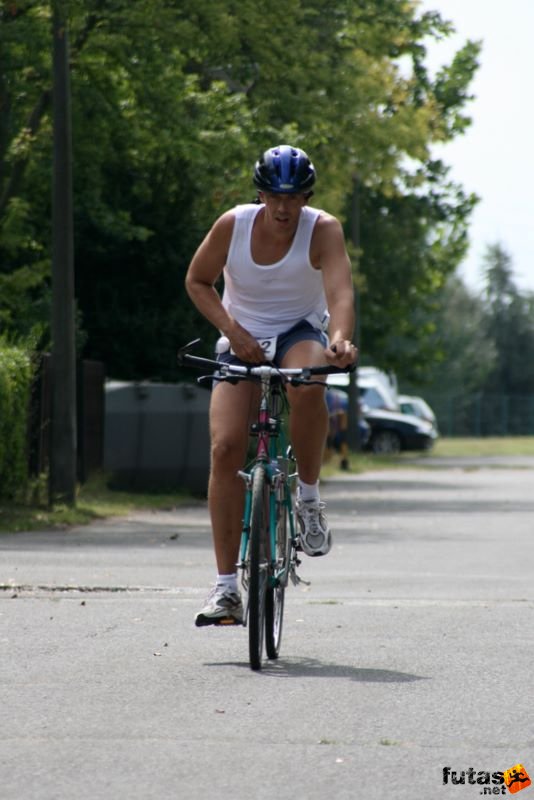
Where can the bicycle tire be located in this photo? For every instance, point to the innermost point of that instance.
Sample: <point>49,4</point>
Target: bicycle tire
<point>258,566</point>
<point>275,595</point>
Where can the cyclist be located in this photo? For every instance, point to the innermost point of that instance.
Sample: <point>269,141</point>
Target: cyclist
<point>288,287</point>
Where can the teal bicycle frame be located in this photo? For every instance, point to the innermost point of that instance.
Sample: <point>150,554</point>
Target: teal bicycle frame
<point>272,452</point>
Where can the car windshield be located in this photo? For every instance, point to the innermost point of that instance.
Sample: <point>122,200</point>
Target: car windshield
<point>373,398</point>
<point>417,406</point>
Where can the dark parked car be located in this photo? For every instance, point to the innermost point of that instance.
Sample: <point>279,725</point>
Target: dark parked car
<point>393,432</point>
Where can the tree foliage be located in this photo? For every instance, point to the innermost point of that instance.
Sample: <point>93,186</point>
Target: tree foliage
<point>509,324</point>
<point>411,244</point>
<point>483,342</point>
<point>172,102</point>
<point>465,355</point>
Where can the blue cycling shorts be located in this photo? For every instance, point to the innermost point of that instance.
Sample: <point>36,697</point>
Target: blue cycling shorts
<point>302,331</point>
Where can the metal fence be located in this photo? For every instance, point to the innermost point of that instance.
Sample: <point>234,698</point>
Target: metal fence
<point>483,414</point>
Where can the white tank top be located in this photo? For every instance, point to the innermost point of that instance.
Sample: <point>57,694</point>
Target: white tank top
<point>269,299</point>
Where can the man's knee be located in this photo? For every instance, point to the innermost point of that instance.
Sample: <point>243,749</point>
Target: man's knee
<point>227,453</point>
<point>308,400</point>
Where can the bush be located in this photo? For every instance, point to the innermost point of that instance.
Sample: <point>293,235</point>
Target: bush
<point>15,383</point>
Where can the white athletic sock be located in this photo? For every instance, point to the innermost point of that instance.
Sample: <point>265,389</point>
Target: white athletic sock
<point>228,581</point>
<point>308,491</point>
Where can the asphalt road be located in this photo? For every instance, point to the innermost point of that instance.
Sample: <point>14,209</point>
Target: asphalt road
<point>410,653</point>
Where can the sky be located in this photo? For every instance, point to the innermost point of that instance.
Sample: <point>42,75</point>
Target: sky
<point>495,157</point>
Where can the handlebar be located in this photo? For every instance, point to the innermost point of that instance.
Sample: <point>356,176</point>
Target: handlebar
<point>294,375</point>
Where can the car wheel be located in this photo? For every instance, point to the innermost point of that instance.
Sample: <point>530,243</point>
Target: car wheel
<point>386,443</point>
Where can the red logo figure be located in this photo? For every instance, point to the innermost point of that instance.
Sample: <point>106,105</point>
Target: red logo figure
<point>516,778</point>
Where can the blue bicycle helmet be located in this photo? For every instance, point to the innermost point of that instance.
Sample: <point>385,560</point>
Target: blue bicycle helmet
<point>284,170</point>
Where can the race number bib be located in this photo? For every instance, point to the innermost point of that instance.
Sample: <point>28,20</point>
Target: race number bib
<point>267,344</point>
<point>269,347</point>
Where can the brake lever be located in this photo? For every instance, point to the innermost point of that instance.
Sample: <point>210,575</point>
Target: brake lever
<point>183,351</point>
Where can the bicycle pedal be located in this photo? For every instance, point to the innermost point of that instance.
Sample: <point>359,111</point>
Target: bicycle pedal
<point>203,622</point>
<point>228,621</point>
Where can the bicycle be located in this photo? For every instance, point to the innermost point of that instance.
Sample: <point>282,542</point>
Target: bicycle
<point>269,548</point>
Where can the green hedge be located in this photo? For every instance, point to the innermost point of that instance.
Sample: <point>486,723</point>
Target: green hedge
<point>15,386</point>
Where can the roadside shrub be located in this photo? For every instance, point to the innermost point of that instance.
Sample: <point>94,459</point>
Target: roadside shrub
<point>15,383</point>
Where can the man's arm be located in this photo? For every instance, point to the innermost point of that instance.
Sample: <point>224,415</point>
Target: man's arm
<point>204,271</point>
<point>335,266</point>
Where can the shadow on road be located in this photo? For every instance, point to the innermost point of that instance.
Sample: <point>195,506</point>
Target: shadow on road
<point>315,668</point>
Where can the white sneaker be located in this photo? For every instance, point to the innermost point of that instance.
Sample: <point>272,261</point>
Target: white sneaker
<point>222,607</point>
<point>315,535</point>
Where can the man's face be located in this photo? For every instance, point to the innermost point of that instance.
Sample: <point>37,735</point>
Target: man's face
<point>283,209</point>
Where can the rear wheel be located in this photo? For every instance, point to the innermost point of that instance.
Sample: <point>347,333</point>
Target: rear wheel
<point>274,598</point>
<point>259,565</point>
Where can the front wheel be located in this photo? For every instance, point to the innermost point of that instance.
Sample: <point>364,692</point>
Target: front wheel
<point>274,598</point>
<point>259,565</point>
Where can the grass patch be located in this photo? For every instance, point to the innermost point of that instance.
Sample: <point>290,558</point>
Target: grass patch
<point>444,448</point>
<point>484,446</point>
<point>358,463</point>
<point>95,500</point>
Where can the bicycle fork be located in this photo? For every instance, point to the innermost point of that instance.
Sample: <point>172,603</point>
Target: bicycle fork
<point>277,480</point>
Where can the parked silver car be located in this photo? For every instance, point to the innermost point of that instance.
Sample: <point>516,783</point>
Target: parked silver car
<point>417,407</point>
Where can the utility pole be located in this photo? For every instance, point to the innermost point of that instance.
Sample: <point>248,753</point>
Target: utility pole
<point>62,484</point>
<point>353,431</point>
